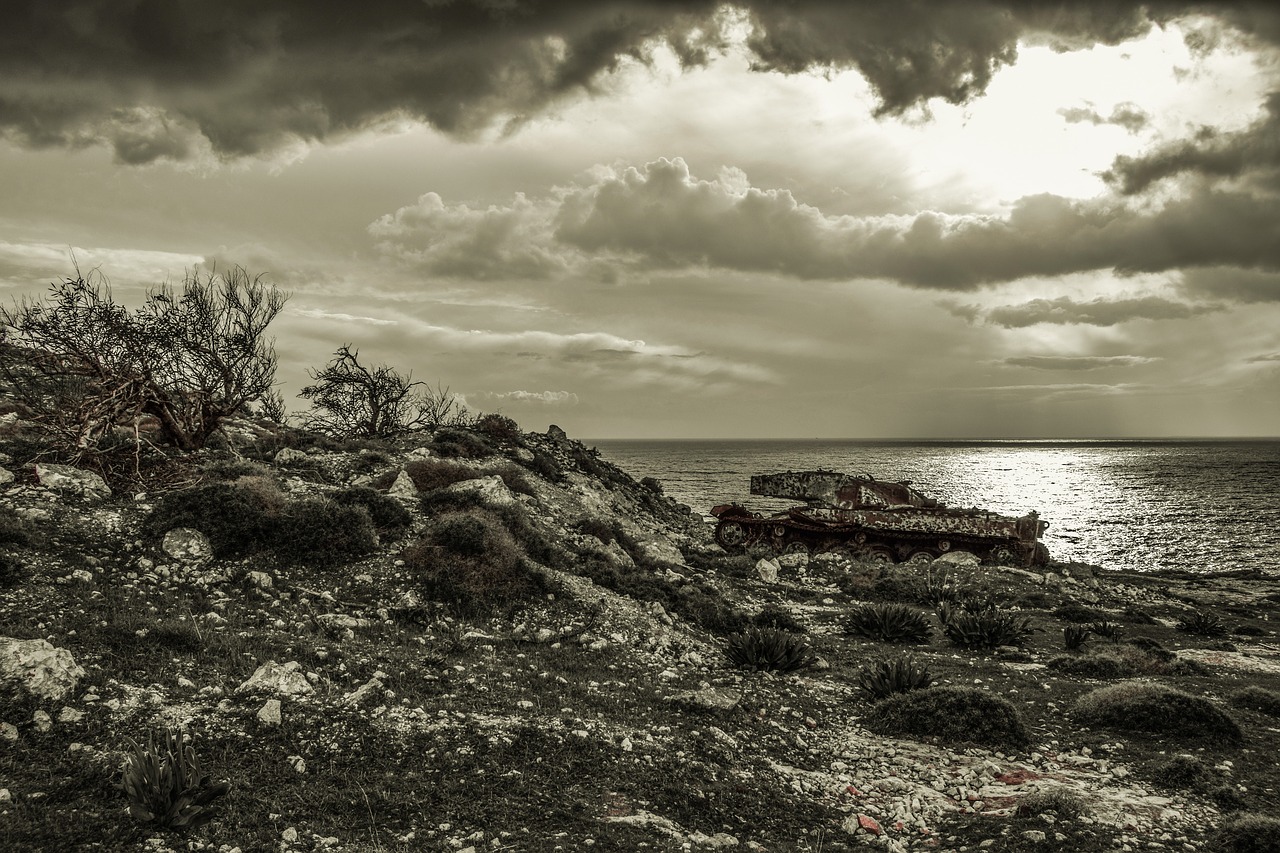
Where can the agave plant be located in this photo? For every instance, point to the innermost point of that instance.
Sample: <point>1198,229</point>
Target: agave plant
<point>1202,624</point>
<point>771,649</point>
<point>884,678</point>
<point>987,629</point>
<point>1074,637</point>
<point>1110,630</point>
<point>889,623</point>
<point>165,785</point>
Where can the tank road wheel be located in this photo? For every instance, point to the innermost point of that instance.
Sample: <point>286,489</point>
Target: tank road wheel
<point>922,557</point>
<point>1003,556</point>
<point>795,547</point>
<point>730,535</point>
<point>877,554</point>
<point>944,545</point>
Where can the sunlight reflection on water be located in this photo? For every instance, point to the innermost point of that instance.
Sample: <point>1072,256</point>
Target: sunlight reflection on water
<point>1123,505</point>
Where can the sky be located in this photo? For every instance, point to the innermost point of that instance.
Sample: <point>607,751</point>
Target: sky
<point>688,219</point>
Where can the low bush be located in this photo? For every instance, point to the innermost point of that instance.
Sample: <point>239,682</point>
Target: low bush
<point>239,520</point>
<point>1180,772</point>
<point>653,484</point>
<point>499,428</point>
<point>1154,708</point>
<point>431,474</point>
<point>1138,616</point>
<point>1062,803</point>
<point>14,529</point>
<point>472,561</point>
<point>1248,833</point>
<point>389,516</point>
<point>888,623</point>
<point>768,649</point>
<point>513,477</point>
<point>951,714</point>
<point>1258,699</point>
<point>1077,613</point>
<point>325,532</point>
<point>227,470</point>
<point>773,616</point>
<point>13,571</point>
<point>986,629</point>
<point>1202,624</point>
<point>165,785</point>
<point>886,678</point>
<point>451,443</point>
<point>1125,660</point>
<point>545,467</point>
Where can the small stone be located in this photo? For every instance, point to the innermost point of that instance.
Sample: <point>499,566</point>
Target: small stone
<point>82,575</point>
<point>187,545</point>
<point>1035,836</point>
<point>290,835</point>
<point>70,715</point>
<point>768,570</point>
<point>5,796</point>
<point>269,714</point>
<point>39,668</point>
<point>281,679</point>
<point>40,719</point>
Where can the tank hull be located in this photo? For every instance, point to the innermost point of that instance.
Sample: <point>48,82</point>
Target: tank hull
<point>856,517</point>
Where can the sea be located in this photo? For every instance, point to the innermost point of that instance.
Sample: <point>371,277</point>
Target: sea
<point>1196,505</point>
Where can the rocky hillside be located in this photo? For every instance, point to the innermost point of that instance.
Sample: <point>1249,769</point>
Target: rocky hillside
<point>499,641</point>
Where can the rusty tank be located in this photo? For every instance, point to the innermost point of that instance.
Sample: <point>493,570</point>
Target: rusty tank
<point>875,520</point>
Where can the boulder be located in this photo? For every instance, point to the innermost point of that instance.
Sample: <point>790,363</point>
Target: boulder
<point>491,490</point>
<point>556,434</point>
<point>39,668</point>
<point>799,560</point>
<point>958,558</point>
<point>768,570</point>
<point>657,549</point>
<point>403,487</point>
<point>187,544</point>
<point>6,476</point>
<point>370,689</point>
<point>72,481</point>
<point>269,714</point>
<point>288,455</point>
<point>279,679</point>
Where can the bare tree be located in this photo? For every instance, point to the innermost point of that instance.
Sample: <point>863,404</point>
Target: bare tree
<point>87,366</point>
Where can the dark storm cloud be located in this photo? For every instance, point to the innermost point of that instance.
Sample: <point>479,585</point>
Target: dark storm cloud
<point>1078,362</point>
<point>1237,285</point>
<point>1208,152</point>
<point>1127,115</point>
<point>1095,312</point>
<point>165,78</point>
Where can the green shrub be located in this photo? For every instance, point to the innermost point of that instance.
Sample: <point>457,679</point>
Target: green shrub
<point>1074,637</point>
<point>227,470</point>
<point>1248,833</point>
<point>176,636</point>
<point>14,529</point>
<point>986,629</point>
<point>888,623</point>
<point>1148,707</point>
<point>513,478</point>
<point>471,561</point>
<point>431,474</point>
<point>1202,624</point>
<point>1075,612</point>
<point>387,513</point>
<point>885,678</point>
<point>499,428</point>
<point>762,649</point>
<point>1125,660</point>
<point>1062,803</point>
<point>1258,699</point>
<point>951,714</point>
<point>773,616</point>
<point>545,467</point>
<point>1138,616</point>
<point>325,532</point>
<point>452,443</point>
<point>166,786</point>
<point>653,484</point>
<point>1180,772</point>
<point>238,520</point>
<point>13,571</point>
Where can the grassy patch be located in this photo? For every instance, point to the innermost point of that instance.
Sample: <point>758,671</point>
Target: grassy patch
<point>951,714</point>
<point>1141,706</point>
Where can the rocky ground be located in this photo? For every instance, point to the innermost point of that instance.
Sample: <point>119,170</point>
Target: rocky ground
<point>596,708</point>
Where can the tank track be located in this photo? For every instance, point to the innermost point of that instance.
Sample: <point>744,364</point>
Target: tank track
<point>788,535</point>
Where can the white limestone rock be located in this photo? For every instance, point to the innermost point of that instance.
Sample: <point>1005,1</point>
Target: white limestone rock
<point>278,679</point>
<point>768,570</point>
<point>958,558</point>
<point>403,487</point>
<point>269,713</point>
<point>38,667</point>
<point>73,481</point>
<point>491,490</point>
<point>287,455</point>
<point>187,544</point>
